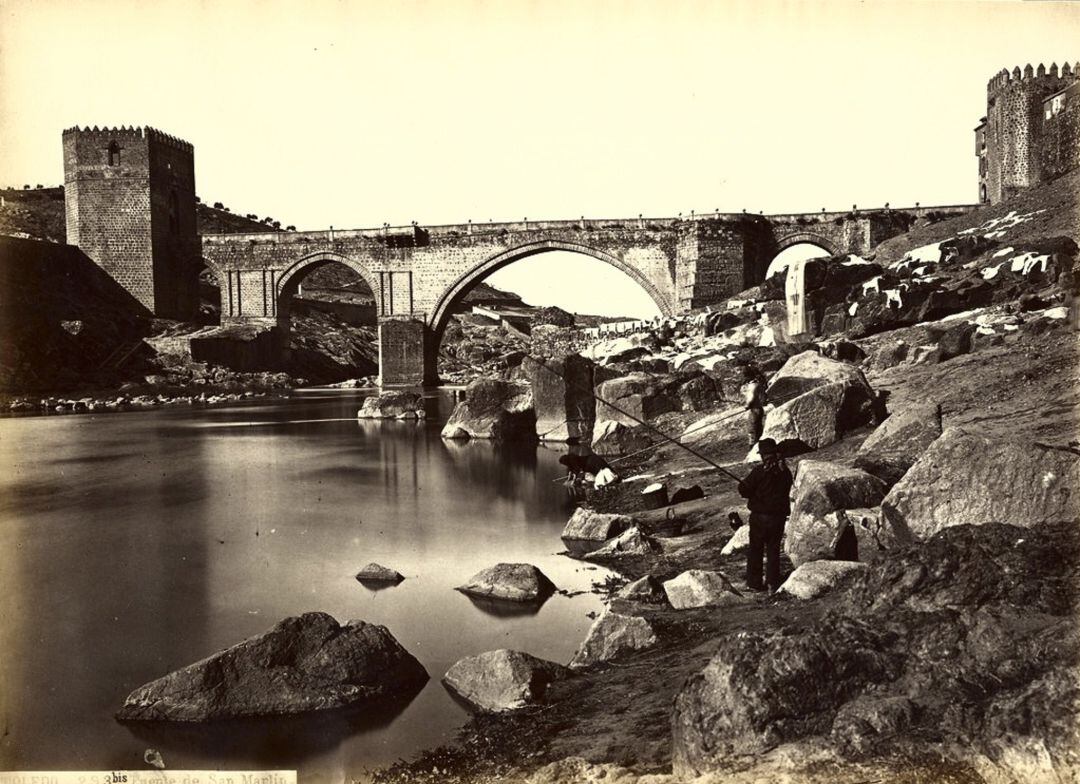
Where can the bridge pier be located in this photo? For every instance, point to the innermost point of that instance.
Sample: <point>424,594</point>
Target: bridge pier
<point>408,352</point>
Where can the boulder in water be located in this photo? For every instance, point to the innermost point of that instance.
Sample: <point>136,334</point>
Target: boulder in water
<point>377,573</point>
<point>611,635</point>
<point>392,405</point>
<point>494,409</point>
<point>502,680</point>
<point>305,663</point>
<point>512,582</point>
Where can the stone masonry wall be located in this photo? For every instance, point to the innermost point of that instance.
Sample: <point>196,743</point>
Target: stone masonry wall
<point>1060,151</point>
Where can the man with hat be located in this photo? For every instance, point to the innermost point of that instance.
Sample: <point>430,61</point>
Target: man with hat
<point>766,489</point>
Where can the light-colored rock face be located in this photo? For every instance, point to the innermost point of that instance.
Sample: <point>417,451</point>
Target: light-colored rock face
<point>616,439</point>
<point>738,542</point>
<point>392,405</point>
<point>820,416</point>
<point>305,663</point>
<point>700,588</point>
<point>821,488</point>
<point>639,395</point>
<point>514,582</point>
<point>493,409</point>
<point>872,535</point>
<point>815,578</point>
<point>808,370</point>
<point>612,635</point>
<point>588,525</point>
<point>562,397</point>
<point>377,573</point>
<point>899,441</point>
<point>502,680</point>
<point>629,542</point>
<point>966,478</point>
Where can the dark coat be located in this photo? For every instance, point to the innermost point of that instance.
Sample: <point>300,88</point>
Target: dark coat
<point>766,489</point>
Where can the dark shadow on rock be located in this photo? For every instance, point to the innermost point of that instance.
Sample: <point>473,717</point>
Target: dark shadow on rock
<point>273,740</point>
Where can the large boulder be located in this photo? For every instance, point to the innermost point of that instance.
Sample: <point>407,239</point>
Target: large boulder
<point>820,416</point>
<point>502,680</point>
<point>610,636</point>
<point>493,409</point>
<point>305,663</point>
<point>967,478</point>
<point>807,371</point>
<point>377,573</point>
<point>629,542</point>
<point>591,526</point>
<point>700,588</point>
<point>820,488</point>
<point>562,397</point>
<point>392,405</point>
<point>637,396</point>
<point>512,582</point>
<point>615,439</point>
<point>899,441</point>
<point>814,578</point>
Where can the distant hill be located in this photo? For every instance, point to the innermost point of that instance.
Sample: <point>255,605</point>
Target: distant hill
<point>38,214</point>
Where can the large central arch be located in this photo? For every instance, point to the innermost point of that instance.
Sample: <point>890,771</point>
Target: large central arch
<point>460,287</point>
<point>291,275</point>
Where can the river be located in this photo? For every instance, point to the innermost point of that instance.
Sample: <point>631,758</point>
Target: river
<point>132,544</point>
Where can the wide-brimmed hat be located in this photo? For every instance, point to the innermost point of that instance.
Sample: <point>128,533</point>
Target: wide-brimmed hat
<point>767,446</point>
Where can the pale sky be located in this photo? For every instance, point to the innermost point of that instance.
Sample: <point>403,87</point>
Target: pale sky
<point>353,114</point>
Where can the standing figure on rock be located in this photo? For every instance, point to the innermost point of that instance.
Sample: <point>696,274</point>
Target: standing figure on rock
<point>766,490</point>
<point>754,399</point>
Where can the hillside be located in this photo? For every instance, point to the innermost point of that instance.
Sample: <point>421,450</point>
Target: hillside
<point>38,214</point>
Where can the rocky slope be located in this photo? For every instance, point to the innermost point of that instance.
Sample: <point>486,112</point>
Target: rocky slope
<point>945,646</point>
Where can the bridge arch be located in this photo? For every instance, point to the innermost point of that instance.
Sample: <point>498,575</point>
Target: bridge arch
<point>808,237</point>
<point>460,287</point>
<point>289,277</point>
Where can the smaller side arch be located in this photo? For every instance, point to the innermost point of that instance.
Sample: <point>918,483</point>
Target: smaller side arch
<point>291,274</point>
<point>809,238</point>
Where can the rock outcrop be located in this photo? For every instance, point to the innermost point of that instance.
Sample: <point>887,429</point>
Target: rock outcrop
<point>494,409</point>
<point>643,589</point>
<point>392,405</point>
<point>637,395</point>
<point>512,582</point>
<point>821,488</point>
<point>700,588</point>
<point>610,636</point>
<point>562,397</point>
<point>629,542</point>
<point>899,441</point>
<point>305,663</point>
<point>614,439</point>
<point>820,416</point>
<point>502,680</point>
<point>969,637</point>
<point>967,478</point>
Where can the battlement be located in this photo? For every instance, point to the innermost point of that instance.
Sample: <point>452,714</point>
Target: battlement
<point>1004,79</point>
<point>131,132</point>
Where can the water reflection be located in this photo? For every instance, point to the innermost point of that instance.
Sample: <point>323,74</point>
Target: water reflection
<point>132,545</point>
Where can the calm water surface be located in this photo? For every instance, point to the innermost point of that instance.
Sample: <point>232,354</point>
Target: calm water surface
<point>133,544</point>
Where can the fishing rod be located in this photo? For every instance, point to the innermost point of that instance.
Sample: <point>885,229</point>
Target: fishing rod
<point>627,414</point>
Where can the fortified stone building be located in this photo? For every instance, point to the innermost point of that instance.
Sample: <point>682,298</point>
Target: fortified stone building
<point>1031,131</point>
<point>129,199</point>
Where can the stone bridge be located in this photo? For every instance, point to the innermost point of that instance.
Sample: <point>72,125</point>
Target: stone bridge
<point>418,274</point>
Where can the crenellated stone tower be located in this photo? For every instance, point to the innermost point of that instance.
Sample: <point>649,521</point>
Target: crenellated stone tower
<point>1025,139</point>
<point>129,196</point>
